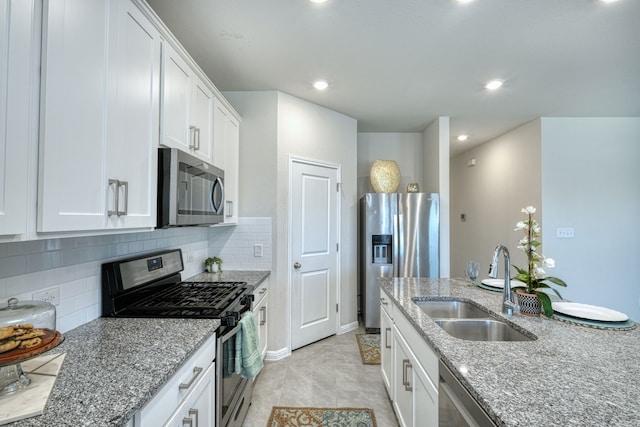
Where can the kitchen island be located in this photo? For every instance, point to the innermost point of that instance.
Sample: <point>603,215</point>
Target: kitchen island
<point>114,366</point>
<point>571,375</point>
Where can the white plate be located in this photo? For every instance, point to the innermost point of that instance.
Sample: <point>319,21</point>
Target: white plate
<point>499,283</point>
<point>591,312</point>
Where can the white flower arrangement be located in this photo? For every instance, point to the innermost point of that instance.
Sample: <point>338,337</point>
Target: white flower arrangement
<point>534,275</point>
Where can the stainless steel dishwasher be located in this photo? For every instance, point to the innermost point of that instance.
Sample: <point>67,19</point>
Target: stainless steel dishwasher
<point>456,407</point>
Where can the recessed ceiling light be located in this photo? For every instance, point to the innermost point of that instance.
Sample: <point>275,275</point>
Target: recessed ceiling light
<point>609,1</point>
<point>493,84</point>
<point>317,1</point>
<point>464,1</point>
<point>462,137</point>
<point>321,85</point>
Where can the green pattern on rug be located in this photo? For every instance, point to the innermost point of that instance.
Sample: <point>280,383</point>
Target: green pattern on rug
<point>282,416</point>
<point>369,345</point>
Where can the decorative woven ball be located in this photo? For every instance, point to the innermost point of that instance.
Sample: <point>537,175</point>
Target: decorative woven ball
<point>385,176</point>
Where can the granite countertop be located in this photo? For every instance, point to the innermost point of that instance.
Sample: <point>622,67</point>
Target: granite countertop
<point>114,366</point>
<point>571,375</point>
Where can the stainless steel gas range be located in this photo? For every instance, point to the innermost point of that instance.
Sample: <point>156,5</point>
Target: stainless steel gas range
<point>151,286</point>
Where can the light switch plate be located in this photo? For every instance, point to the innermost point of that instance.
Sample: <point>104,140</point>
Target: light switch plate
<point>564,233</point>
<point>257,250</point>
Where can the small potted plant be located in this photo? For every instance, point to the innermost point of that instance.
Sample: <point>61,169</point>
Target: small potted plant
<point>213,264</point>
<point>531,297</point>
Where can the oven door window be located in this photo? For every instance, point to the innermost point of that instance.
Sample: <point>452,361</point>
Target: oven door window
<point>199,192</point>
<point>230,380</point>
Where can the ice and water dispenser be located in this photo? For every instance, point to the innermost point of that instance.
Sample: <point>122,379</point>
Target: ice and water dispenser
<point>382,248</point>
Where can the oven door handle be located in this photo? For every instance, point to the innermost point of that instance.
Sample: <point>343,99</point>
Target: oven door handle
<point>196,372</point>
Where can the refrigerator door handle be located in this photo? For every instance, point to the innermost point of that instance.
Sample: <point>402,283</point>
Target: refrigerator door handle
<point>395,246</point>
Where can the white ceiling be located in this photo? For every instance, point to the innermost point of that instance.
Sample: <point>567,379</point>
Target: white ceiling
<point>396,65</point>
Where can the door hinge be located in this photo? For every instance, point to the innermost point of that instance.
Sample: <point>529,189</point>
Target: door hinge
<point>336,308</point>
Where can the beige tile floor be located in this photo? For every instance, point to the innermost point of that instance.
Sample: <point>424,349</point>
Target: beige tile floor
<point>329,374</point>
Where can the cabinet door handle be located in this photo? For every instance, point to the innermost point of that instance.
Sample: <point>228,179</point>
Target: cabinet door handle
<point>406,364</point>
<point>383,301</point>
<point>386,338</point>
<point>263,310</point>
<point>114,202</point>
<point>125,197</point>
<point>192,137</point>
<point>187,422</point>
<point>194,413</point>
<point>196,372</point>
<point>197,139</point>
<point>262,291</point>
<point>229,208</point>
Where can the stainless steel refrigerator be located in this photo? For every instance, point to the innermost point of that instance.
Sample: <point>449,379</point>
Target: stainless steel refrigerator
<point>399,237</point>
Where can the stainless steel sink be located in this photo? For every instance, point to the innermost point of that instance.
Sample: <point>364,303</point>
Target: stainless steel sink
<point>451,309</point>
<point>481,330</point>
<point>467,321</point>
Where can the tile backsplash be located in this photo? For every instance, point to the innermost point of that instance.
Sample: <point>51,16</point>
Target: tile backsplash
<point>70,267</point>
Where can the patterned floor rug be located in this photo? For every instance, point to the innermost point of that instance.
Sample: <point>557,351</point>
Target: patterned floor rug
<point>369,345</point>
<point>282,416</point>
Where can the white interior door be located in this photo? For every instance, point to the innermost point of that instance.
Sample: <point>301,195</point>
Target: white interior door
<point>314,252</point>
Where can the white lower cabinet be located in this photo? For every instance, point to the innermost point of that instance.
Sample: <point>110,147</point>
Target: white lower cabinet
<point>197,410</point>
<point>187,399</point>
<point>413,376</point>
<point>260,308</point>
<point>386,344</point>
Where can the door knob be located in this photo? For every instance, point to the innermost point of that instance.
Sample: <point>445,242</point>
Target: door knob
<point>297,265</point>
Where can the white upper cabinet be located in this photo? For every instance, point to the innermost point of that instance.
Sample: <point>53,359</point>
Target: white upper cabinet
<point>226,153</point>
<point>187,107</point>
<point>134,119</point>
<point>19,53</point>
<point>72,178</point>
<point>99,117</point>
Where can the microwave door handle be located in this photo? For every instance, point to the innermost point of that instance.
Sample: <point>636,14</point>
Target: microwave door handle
<point>217,207</point>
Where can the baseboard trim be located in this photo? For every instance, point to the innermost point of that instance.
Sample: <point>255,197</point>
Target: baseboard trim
<point>349,327</point>
<point>278,354</point>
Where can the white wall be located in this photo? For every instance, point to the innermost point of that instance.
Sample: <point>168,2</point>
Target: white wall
<point>258,152</point>
<point>437,180</point>
<point>274,126</point>
<point>310,131</point>
<point>591,182</point>
<point>505,179</point>
<point>404,148</point>
<point>235,244</point>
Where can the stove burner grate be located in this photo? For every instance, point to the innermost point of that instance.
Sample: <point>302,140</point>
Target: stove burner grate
<point>190,299</point>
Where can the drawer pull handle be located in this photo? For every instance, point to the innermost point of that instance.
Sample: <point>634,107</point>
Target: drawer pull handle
<point>383,301</point>
<point>187,422</point>
<point>196,372</point>
<point>406,364</point>
<point>263,310</point>
<point>194,412</point>
<point>262,291</point>
<point>386,338</point>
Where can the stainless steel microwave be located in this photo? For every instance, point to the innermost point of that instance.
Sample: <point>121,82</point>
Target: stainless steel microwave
<point>190,191</point>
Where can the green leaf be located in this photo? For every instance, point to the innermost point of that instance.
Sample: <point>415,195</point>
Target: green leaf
<point>519,270</point>
<point>555,280</point>
<point>547,308</point>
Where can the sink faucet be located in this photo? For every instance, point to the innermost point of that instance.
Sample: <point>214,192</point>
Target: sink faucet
<point>508,304</point>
